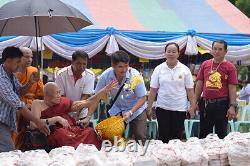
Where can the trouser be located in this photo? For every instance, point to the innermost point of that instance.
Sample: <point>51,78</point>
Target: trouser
<point>6,143</point>
<point>213,115</point>
<point>170,124</point>
<point>138,127</point>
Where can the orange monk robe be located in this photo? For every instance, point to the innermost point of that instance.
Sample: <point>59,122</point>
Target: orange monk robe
<point>34,92</point>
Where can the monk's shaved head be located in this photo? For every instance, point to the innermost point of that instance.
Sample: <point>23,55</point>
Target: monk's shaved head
<point>25,49</point>
<point>49,88</point>
<point>26,59</point>
<point>51,93</point>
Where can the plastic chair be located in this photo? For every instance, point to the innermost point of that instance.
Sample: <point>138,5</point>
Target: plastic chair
<point>152,127</point>
<point>96,116</point>
<point>242,121</point>
<point>126,132</point>
<point>188,126</point>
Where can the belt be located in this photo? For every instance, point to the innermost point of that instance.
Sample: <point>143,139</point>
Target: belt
<point>216,100</point>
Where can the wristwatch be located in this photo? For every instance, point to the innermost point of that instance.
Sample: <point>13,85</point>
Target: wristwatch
<point>47,122</point>
<point>235,105</point>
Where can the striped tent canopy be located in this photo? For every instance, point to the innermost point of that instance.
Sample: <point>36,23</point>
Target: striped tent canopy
<point>144,27</point>
<point>203,16</point>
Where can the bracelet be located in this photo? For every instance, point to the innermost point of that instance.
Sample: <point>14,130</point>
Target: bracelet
<point>131,113</point>
<point>235,105</point>
<point>47,122</point>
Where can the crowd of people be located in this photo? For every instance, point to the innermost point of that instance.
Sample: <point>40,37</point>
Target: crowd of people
<point>73,98</point>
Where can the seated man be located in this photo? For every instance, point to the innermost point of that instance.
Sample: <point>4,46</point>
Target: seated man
<point>54,109</point>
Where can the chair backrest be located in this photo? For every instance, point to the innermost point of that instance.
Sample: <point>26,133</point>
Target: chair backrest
<point>244,112</point>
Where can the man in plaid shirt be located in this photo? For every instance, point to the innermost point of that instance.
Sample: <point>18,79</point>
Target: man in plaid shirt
<point>10,89</point>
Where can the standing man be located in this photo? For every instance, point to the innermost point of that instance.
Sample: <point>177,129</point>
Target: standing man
<point>75,81</point>
<point>130,103</point>
<point>217,79</point>
<point>27,74</point>
<point>10,89</point>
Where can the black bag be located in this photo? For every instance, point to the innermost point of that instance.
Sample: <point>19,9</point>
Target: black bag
<point>34,139</point>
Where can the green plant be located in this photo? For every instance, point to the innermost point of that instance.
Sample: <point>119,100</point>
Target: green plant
<point>242,72</point>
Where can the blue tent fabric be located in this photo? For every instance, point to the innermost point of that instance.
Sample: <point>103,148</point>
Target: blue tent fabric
<point>88,36</point>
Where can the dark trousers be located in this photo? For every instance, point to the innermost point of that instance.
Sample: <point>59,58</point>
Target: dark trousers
<point>213,115</point>
<point>170,124</point>
<point>6,143</point>
<point>138,127</point>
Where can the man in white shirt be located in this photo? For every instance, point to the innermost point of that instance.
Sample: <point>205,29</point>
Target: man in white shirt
<point>75,81</point>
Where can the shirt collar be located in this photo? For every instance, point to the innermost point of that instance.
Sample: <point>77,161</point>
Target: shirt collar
<point>178,65</point>
<point>127,76</point>
<point>70,72</point>
<point>4,72</point>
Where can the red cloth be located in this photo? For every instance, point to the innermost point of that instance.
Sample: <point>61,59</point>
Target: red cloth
<point>73,136</point>
<point>216,85</point>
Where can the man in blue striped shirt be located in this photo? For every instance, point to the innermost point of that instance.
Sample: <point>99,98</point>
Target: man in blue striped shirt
<point>10,103</point>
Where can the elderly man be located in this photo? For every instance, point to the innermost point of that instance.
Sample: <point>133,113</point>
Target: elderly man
<point>27,74</point>
<point>10,89</point>
<point>54,110</point>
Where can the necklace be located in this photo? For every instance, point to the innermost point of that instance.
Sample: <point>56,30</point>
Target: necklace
<point>171,67</point>
<point>172,74</point>
<point>214,71</point>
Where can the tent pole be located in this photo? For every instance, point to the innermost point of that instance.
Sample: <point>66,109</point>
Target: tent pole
<point>41,53</point>
<point>37,51</point>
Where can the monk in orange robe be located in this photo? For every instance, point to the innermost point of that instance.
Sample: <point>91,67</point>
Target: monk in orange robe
<point>27,74</point>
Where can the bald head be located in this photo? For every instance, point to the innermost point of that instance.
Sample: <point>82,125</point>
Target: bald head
<point>25,50</point>
<point>26,60</point>
<point>49,88</point>
<point>51,93</point>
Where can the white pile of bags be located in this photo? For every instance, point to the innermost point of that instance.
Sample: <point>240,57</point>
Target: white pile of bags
<point>234,150</point>
<point>238,148</point>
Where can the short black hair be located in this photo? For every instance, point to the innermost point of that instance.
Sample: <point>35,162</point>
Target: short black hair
<point>173,43</point>
<point>79,54</point>
<point>119,56</point>
<point>245,82</point>
<point>220,41</point>
<point>11,53</point>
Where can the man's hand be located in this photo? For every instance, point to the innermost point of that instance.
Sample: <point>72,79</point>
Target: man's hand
<point>126,115</point>
<point>192,111</point>
<point>149,114</point>
<point>35,76</point>
<point>110,86</point>
<point>42,127</point>
<point>63,122</point>
<point>85,121</point>
<point>77,106</point>
<point>231,113</point>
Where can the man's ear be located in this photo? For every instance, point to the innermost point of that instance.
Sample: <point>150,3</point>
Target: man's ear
<point>112,64</point>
